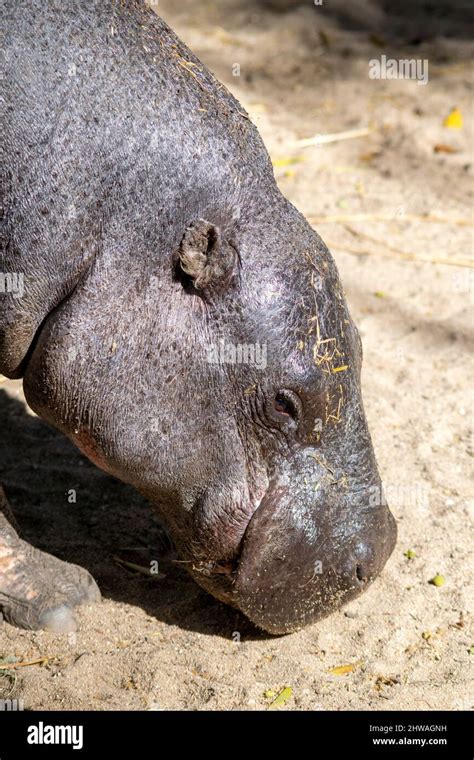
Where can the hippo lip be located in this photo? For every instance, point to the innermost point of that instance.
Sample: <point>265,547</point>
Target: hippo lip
<point>219,577</point>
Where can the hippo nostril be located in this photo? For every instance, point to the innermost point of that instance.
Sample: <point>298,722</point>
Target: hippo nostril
<point>364,558</point>
<point>361,574</point>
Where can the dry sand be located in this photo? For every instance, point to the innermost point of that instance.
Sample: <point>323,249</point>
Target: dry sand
<point>158,644</point>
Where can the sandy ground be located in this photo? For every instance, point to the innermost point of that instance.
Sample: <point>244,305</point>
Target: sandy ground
<point>157,644</point>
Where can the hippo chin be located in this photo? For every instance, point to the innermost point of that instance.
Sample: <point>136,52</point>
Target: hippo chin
<point>175,316</point>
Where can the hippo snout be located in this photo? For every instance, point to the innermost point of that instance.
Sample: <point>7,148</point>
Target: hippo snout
<point>292,572</point>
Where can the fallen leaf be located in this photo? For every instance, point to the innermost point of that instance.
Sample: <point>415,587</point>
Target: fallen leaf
<point>443,148</point>
<point>454,120</point>
<point>282,698</point>
<point>370,155</point>
<point>342,670</point>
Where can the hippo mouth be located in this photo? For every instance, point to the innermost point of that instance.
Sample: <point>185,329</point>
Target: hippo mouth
<point>219,576</point>
<point>282,580</point>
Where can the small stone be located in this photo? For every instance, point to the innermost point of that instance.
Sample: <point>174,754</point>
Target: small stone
<point>352,614</point>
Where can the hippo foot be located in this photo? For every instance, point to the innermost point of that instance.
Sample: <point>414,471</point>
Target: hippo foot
<point>38,590</point>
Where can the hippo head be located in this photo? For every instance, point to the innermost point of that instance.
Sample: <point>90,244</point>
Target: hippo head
<point>226,388</point>
<point>263,464</point>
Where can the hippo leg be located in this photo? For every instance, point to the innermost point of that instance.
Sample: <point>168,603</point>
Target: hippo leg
<point>38,590</point>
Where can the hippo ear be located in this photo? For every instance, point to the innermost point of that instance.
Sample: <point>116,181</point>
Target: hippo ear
<point>204,257</point>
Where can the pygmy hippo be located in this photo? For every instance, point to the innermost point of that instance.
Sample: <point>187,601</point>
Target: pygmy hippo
<point>179,320</point>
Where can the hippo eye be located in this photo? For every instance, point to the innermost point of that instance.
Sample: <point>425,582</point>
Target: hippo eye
<point>286,405</point>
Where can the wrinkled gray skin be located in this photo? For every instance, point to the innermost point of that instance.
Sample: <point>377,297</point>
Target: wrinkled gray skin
<point>142,210</point>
